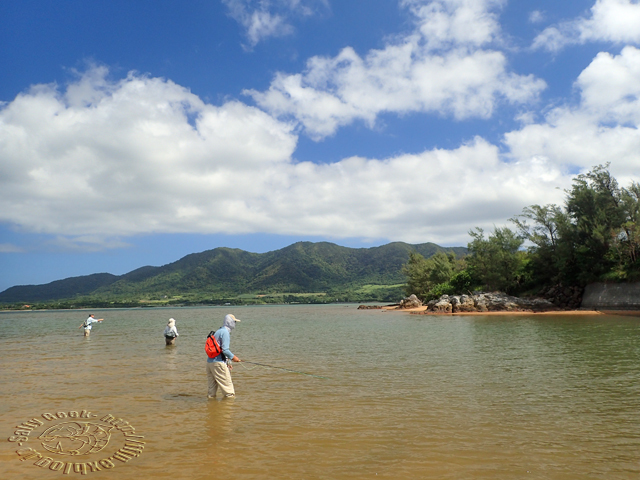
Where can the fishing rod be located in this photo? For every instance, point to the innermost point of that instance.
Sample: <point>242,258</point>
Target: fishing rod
<point>282,368</point>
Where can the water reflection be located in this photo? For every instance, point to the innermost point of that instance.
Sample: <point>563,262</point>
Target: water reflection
<point>171,356</point>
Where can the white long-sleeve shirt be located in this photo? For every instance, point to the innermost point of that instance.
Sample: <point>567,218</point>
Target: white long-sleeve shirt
<point>170,331</point>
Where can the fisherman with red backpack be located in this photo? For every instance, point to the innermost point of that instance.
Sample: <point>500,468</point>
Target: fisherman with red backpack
<point>218,353</point>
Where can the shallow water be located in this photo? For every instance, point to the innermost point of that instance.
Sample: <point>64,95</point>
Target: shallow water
<point>536,397</point>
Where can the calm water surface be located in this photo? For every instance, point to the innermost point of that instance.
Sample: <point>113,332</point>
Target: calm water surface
<point>523,397</point>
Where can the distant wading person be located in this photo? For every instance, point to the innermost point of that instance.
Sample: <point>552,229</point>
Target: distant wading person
<point>87,324</point>
<point>170,332</point>
<point>218,373</point>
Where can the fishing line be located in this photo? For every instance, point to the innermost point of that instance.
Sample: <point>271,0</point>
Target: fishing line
<point>282,368</point>
<point>244,366</point>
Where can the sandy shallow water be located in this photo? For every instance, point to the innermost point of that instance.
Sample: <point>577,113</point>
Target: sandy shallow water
<point>407,396</point>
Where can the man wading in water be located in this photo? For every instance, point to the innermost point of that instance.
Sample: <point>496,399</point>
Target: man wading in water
<point>87,324</point>
<point>218,372</point>
<point>170,332</point>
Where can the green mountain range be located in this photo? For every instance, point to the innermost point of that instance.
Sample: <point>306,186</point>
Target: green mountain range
<point>302,272</point>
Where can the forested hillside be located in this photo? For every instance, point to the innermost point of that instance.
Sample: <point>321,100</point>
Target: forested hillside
<point>303,271</point>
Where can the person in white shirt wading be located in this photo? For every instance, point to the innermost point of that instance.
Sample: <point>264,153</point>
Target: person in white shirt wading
<point>170,332</point>
<point>87,324</point>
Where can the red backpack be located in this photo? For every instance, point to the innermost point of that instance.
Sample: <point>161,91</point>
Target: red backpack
<point>212,347</point>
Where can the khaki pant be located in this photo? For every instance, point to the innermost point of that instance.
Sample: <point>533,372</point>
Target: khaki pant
<point>87,332</point>
<point>218,375</point>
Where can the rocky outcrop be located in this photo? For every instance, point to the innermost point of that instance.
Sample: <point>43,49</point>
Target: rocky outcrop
<point>564,297</point>
<point>488,302</point>
<point>463,303</point>
<point>442,305</point>
<point>410,302</point>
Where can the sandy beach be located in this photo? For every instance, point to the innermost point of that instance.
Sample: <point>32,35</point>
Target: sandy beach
<point>423,311</point>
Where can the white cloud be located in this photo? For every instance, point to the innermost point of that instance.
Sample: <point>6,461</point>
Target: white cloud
<point>437,194</point>
<point>610,87</point>
<point>86,243</point>
<point>10,248</point>
<point>603,127</point>
<point>104,159</point>
<point>440,68</point>
<point>451,23</point>
<point>262,19</point>
<point>536,16</point>
<point>121,158</point>
<point>264,24</point>
<point>616,21</point>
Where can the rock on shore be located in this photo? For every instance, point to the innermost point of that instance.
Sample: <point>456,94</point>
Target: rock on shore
<point>410,302</point>
<point>488,302</point>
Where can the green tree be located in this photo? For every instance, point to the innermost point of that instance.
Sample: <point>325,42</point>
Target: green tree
<point>417,270</point>
<point>426,274</point>
<point>442,267</point>
<point>549,256</point>
<point>625,245</point>
<point>595,237</point>
<point>594,205</point>
<point>462,282</point>
<point>497,262</point>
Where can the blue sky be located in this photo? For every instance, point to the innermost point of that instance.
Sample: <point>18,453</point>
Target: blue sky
<point>134,133</point>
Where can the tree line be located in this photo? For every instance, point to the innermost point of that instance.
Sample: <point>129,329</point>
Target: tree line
<point>593,237</point>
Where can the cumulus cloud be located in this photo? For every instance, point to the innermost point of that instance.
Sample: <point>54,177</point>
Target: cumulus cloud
<point>452,23</point>
<point>440,67</point>
<point>102,160</point>
<point>603,127</point>
<point>132,156</point>
<point>436,194</point>
<point>614,21</point>
<point>262,19</point>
